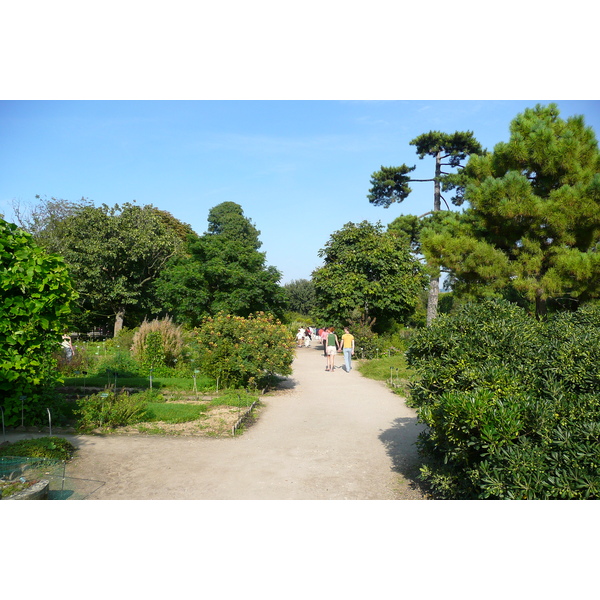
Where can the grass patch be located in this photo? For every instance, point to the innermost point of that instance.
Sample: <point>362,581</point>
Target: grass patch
<point>392,369</point>
<point>203,383</point>
<point>235,398</point>
<point>174,413</point>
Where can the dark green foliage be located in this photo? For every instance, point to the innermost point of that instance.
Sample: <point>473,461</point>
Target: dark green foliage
<point>512,403</point>
<point>46,447</point>
<point>532,229</point>
<point>224,271</point>
<point>301,296</point>
<point>114,254</point>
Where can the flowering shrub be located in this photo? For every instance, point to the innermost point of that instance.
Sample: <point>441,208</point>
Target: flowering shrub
<point>242,351</point>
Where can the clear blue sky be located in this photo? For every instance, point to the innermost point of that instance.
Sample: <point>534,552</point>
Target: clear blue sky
<point>299,169</point>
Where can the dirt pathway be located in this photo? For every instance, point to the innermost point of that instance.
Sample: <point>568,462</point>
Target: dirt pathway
<point>330,436</point>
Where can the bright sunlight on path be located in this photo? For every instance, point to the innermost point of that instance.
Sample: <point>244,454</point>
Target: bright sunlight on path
<point>331,435</point>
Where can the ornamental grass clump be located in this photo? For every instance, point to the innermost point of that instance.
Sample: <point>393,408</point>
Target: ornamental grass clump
<point>158,343</point>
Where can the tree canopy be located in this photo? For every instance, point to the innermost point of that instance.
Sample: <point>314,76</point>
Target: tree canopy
<point>113,253</point>
<point>300,295</point>
<point>369,274</point>
<point>224,272</point>
<point>533,226</point>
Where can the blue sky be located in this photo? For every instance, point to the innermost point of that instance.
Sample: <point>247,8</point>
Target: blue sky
<point>299,169</point>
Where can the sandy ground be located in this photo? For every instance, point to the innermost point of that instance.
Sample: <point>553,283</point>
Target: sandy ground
<point>329,436</point>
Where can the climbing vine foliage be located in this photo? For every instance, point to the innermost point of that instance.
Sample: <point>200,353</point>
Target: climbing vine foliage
<point>35,301</point>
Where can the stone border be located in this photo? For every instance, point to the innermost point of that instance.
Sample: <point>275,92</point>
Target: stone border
<point>38,491</point>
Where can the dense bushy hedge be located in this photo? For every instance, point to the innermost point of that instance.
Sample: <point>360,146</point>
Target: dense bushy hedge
<point>512,403</point>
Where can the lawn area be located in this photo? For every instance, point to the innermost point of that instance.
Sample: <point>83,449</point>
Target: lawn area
<point>185,384</point>
<point>392,369</point>
<point>174,412</point>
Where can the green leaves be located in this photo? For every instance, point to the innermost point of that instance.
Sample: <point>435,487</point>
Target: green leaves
<point>390,185</point>
<point>534,216</point>
<point>223,272</point>
<point>511,402</point>
<point>368,270</point>
<point>36,295</point>
<point>241,351</point>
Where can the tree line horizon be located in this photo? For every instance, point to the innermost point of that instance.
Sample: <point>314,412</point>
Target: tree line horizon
<point>528,231</point>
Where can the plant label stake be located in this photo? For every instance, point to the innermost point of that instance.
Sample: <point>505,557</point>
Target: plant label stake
<point>103,396</point>
<point>49,421</point>
<point>195,387</point>
<point>23,410</point>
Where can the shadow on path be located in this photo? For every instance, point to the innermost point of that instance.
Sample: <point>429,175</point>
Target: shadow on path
<point>400,445</point>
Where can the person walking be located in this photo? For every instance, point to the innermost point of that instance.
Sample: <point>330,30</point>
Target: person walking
<point>347,344</point>
<point>300,337</point>
<point>323,335</point>
<point>332,348</point>
<point>307,337</point>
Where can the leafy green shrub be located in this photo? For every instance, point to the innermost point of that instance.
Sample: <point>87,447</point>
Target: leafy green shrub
<point>123,340</point>
<point>243,351</point>
<point>511,403</point>
<point>121,363</point>
<point>110,409</point>
<point>36,296</point>
<point>45,447</point>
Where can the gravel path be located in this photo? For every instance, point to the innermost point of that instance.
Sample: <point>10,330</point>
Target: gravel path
<point>330,436</point>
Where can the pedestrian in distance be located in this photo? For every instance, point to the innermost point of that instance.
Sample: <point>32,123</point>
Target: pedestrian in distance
<point>323,336</point>
<point>300,337</point>
<point>307,337</point>
<point>347,346</point>
<point>332,348</point>
<point>67,347</point>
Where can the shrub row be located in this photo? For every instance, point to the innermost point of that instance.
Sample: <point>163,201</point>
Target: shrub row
<point>512,404</point>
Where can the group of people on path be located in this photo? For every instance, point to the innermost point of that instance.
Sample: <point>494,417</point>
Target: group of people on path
<point>331,345</point>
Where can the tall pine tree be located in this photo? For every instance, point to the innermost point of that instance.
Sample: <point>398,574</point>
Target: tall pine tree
<point>390,184</point>
<point>533,226</point>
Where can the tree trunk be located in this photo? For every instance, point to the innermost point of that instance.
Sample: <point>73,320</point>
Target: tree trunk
<point>540,307</point>
<point>119,321</point>
<point>432,300</point>
<point>434,283</point>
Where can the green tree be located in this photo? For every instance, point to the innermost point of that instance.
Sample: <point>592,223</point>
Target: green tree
<point>533,226</point>
<point>114,255</point>
<point>390,184</point>
<point>301,295</point>
<point>369,276</point>
<point>224,272</point>
<point>36,297</point>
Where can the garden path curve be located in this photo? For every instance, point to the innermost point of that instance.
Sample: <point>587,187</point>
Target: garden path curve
<point>329,436</point>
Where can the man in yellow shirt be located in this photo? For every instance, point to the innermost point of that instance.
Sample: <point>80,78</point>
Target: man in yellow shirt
<point>347,344</point>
